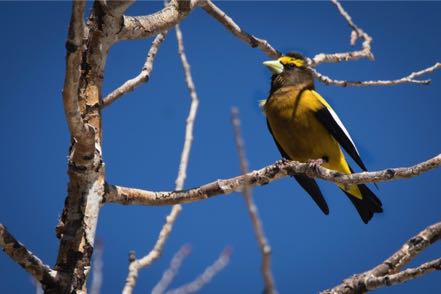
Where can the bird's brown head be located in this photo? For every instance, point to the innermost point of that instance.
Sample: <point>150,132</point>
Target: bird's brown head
<point>290,70</point>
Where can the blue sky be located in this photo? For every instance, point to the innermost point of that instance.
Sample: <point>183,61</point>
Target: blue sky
<point>143,137</point>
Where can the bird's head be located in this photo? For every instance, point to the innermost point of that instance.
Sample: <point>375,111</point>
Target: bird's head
<point>290,70</point>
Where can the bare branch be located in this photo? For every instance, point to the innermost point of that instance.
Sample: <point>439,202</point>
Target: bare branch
<point>388,272</point>
<point>173,269</point>
<point>404,80</point>
<point>264,246</point>
<point>234,28</point>
<point>142,77</point>
<point>26,259</point>
<point>206,276</point>
<point>357,32</point>
<point>283,168</point>
<point>139,27</point>
<point>82,132</point>
<point>97,271</point>
<point>147,260</point>
<point>404,276</point>
<point>191,115</point>
<point>138,264</point>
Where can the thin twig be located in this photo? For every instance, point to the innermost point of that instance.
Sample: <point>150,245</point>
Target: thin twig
<point>357,32</point>
<point>147,260</point>
<point>191,115</point>
<point>410,79</point>
<point>206,276</point>
<point>264,246</point>
<point>388,271</point>
<point>142,77</point>
<point>41,272</point>
<point>97,270</point>
<point>283,168</point>
<point>170,273</point>
<point>234,28</point>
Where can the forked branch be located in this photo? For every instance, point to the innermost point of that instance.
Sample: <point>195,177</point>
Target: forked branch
<point>389,271</point>
<point>357,32</point>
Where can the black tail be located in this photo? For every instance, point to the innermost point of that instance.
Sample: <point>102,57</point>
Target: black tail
<point>367,206</point>
<point>313,190</point>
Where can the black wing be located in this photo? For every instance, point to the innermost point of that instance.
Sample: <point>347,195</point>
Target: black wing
<point>330,121</point>
<point>308,184</point>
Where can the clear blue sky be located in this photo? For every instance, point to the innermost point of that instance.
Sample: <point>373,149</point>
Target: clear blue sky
<point>143,135</point>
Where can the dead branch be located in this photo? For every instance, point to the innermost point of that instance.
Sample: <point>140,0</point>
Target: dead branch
<point>147,260</point>
<point>206,276</point>
<point>173,269</point>
<point>263,243</point>
<point>26,259</point>
<point>234,28</point>
<point>409,79</point>
<point>137,264</point>
<point>142,77</point>
<point>388,272</point>
<point>357,32</point>
<point>132,196</point>
<point>140,27</point>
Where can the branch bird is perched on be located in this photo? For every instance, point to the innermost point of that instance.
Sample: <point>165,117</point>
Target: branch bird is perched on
<point>305,128</point>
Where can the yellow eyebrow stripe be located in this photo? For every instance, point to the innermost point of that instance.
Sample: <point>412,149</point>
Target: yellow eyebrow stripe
<point>292,60</point>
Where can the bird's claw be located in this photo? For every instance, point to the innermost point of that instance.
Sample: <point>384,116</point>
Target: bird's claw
<point>313,167</point>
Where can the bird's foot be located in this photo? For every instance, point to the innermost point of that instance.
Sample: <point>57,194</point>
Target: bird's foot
<point>282,161</point>
<point>313,167</point>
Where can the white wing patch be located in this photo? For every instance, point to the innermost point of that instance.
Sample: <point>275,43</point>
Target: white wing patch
<point>336,119</point>
<point>340,124</point>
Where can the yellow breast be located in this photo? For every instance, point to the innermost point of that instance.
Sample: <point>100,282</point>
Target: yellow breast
<point>295,127</point>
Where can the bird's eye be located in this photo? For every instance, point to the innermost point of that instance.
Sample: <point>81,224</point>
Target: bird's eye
<point>289,66</point>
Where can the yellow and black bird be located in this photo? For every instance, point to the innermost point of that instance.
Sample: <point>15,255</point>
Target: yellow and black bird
<point>305,128</point>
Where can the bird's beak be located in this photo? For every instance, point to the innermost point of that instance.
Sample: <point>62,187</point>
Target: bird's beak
<point>274,66</point>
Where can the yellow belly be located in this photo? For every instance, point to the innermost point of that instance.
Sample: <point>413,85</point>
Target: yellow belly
<point>300,134</point>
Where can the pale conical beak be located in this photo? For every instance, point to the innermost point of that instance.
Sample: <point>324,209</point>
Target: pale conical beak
<point>274,66</point>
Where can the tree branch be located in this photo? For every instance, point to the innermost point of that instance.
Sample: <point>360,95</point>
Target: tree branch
<point>83,133</point>
<point>283,168</point>
<point>147,260</point>
<point>78,221</point>
<point>357,32</point>
<point>388,272</point>
<point>173,269</point>
<point>365,52</point>
<point>139,27</point>
<point>404,80</point>
<point>26,259</point>
<point>263,243</point>
<point>206,276</point>
<point>142,77</point>
<point>234,28</point>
